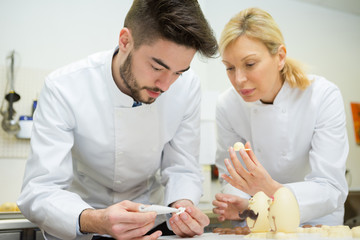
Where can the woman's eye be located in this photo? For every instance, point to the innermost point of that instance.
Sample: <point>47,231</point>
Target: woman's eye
<point>229,68</point>
<point>250,64</point>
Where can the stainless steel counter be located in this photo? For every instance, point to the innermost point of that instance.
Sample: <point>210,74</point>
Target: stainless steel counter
<point>16,224</point>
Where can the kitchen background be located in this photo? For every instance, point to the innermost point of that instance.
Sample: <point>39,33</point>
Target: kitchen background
<point>49,34</point>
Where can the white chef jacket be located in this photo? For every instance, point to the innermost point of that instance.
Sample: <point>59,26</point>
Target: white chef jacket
<point>300,140</point>
<point>91,149</point>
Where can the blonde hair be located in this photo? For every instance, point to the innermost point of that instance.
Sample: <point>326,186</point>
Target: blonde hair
<point>258,24</point>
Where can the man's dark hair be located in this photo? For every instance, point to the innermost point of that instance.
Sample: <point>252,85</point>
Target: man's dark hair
<point>179,21</point>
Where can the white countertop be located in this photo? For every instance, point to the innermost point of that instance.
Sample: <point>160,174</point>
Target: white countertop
<point>206,236</point>
<point>213,236</point>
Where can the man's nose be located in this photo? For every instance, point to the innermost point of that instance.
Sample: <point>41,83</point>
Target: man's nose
<point>165,80</point>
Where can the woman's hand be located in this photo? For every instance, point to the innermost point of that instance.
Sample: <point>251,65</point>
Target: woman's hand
<point>189,223</point>
<point>253,178</point>
<point>228,206</point>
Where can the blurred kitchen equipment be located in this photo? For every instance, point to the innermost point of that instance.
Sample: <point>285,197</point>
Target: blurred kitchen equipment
<point>26,123</point>
<point>9,124</point>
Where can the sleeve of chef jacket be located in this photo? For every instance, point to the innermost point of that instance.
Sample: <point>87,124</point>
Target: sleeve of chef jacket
<point>325,188</point>
<point>181,173</point>
<point>225,138</point>
<point>44,199</point>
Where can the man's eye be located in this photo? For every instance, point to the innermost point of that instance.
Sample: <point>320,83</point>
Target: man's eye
<point>250,64</point>
<point>156,69</point>
<point>229,68</point>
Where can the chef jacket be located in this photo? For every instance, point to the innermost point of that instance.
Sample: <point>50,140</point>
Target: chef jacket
<point>300,140</point>
<point>90,148</point>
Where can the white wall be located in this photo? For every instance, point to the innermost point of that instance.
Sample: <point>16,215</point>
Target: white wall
<point>48,34</point>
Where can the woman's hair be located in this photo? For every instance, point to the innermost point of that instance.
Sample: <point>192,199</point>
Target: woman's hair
<point>179,21</point>
<point>258,24</point>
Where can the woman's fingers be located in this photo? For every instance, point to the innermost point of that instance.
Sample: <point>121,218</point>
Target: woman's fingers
<point>251,154</point>
<point>250,165</point>
<point>237,165</point>
<point>236,175</point>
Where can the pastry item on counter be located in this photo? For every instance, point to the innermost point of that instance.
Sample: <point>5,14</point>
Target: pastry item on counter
<point>234,231</point>
<point>238,146</point>
<point>259,205</point>
<point>325,230</point>
<point>355,232</point>
<point>281,235</point>
<point>309,229</point>
<point>9,207</point>
<point>339,232</point>
<point>284,214</point>
<point>259,235</point>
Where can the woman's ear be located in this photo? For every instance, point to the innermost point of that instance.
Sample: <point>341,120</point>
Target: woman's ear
<point>125,40</point>
<point>282,56</point>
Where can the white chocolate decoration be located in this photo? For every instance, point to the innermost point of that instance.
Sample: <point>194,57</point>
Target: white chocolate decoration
<point>238,146</point>
<point>259,204</point>
<point>181,210</point>
<point>284,215</point>
<point>356,232</point>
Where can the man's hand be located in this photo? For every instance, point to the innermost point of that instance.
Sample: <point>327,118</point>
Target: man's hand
<point>121,221</point>
<point>228,206</point>
<point>189,223</point>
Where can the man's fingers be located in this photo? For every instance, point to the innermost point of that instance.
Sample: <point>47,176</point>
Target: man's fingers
<point>135,218</point>
<point>198,216</point>
<point>129,231</point>
<point>152,236</point>
<point>179,227</point>
<point>195,226</point>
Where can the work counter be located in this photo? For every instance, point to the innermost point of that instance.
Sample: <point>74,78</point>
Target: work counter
<point>15,226</point>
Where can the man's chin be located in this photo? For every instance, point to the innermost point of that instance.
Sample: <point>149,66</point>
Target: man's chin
<point>150,101</point>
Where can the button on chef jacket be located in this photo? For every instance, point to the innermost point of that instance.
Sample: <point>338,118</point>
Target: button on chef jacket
<point>300,140</point>
<point>90,148</point>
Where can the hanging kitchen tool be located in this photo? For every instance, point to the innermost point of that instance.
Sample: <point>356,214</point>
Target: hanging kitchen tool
<point>9,124</point>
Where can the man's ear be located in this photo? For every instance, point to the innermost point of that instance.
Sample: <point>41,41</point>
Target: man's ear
<point>125,40</point>
<point>282,56</point>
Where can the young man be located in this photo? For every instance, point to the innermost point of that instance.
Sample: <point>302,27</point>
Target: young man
<point>106,125</point>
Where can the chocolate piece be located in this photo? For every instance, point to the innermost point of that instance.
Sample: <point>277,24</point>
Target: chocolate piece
<point>248,213</point>
<point>307,226</point>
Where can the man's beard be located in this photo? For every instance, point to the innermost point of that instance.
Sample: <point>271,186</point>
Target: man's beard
<point>132,84</point>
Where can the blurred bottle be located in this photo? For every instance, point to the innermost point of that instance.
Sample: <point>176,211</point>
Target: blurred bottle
<point>34,107</point>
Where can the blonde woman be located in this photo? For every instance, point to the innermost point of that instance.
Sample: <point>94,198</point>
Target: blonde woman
<point>293,123</point>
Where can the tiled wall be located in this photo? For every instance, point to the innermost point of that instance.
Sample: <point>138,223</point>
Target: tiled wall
<point>28,83</point>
